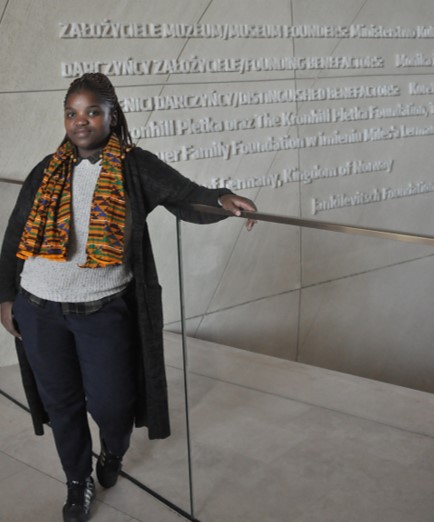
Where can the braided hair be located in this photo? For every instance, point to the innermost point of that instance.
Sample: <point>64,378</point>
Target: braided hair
<point>99,84</point>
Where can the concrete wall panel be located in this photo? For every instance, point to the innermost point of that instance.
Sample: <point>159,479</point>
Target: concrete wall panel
<point>376,324</point>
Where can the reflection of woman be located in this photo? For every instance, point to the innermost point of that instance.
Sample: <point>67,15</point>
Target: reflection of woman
<point>77,265</point>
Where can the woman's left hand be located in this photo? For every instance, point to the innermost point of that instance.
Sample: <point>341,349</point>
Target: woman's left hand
<point>7,319</point>
<point>236,204</point>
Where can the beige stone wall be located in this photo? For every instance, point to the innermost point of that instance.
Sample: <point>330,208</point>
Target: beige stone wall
<point>357,305</point>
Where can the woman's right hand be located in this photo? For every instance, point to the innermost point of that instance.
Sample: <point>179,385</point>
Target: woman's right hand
<point>7,319</point>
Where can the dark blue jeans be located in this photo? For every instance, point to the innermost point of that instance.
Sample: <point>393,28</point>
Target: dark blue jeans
<point>82,363</point>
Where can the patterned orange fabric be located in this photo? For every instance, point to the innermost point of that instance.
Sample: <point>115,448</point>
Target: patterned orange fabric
<point>46,233</point>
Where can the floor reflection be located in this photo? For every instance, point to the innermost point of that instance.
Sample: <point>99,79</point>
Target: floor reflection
<point>271,440</point>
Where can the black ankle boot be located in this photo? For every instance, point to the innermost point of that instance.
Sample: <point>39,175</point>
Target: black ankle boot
<point>108,467</point>
<point>80,496</point>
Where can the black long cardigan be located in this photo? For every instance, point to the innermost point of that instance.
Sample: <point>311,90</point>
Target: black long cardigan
<point>149,182</point>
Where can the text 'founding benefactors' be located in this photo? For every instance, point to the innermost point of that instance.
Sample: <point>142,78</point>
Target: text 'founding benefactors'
<point>197,65</point>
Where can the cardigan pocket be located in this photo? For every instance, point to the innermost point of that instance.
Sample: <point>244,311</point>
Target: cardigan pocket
<point>154,306</point>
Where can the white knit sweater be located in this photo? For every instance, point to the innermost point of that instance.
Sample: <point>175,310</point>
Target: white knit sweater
<point>66,281</point>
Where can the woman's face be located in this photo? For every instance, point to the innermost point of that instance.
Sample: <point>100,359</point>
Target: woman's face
<point>88,121</point>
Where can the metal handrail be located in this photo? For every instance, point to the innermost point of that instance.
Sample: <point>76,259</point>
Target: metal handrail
<point>407,237</point>
<point>322,225</point>
<point>12,181</point>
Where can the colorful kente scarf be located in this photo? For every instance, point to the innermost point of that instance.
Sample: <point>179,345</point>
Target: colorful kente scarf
<point>46,233</point>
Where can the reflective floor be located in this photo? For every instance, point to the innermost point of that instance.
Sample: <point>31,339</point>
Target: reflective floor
<point>31,482</point>
<point>271,441</point>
